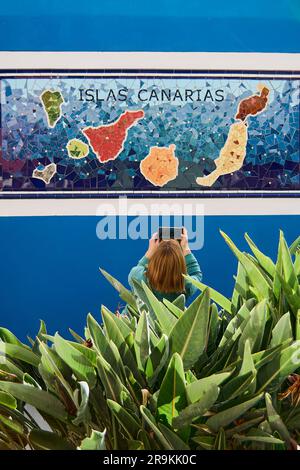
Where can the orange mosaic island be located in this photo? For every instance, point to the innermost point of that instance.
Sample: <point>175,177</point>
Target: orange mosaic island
<point>160,166</point>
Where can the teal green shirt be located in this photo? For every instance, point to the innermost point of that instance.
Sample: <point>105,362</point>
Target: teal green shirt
<point>138,273</point>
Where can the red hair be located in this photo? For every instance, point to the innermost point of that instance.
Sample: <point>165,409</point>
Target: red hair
<point>166,267</point>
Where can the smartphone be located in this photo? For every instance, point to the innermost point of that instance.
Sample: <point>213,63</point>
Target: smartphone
<point>168,233</point>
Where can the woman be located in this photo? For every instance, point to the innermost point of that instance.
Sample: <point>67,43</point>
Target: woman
<point>163,266</point>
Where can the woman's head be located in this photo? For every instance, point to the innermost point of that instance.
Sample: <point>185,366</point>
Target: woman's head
<point>166,266</point>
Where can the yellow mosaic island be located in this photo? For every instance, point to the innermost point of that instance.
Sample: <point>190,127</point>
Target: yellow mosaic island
<point>77,149</point>
<point>232,155</point>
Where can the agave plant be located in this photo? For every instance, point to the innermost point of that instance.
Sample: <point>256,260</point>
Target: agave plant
<point>217,374</point>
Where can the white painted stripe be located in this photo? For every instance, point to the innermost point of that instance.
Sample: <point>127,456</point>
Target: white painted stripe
<point>151,206</point>
<point>154,60</point>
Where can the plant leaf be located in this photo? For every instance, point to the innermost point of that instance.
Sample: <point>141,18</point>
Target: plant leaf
<point>12,424</point>
<point>233,328</point>
<point>124,293</point>
<point>40,337</point>
<point>172,396</point>
<point>258,436</point>
<point>237,386</point>
<point>165,318</point>
<point>196,410</point>
<point>196,390</point>
<point>176,442</point>
<point>213,328</point>
<point>220,442</point>
<point>173,308</point>
<point>223,418</point>
<point>265,261</point>
<point>241,288</point>
<point>254,329</point>
<point>256,278</point>
<point>292,296</point>
<point>142,341</point>
<point>298,325</point>
<point>275,371</point>
<point>157,360</point>
<point>180,302</point>
<point>95,442</point>
<point>282,331</point>
<point>243,426</point>
<point>40,399</point>
<point>50,365</point>
<point>115,335</point>
<point>294,247</point>
<point>27,379</point>
<point>146,414</point>
<point>45,440</point>
<point>80,365</point>
<point>111,382</point>
<point>215,296</point>
<point>8,337</point>
<point>19,352</point>
<point>126,420</point>
<point>206,442</point>
<point>275,421</point>
<point>248,366</point>
<point>287,263</point>
<point>8,400</point>
<point>104,346</point>
<point>120,323</point>
<point>83,413</point>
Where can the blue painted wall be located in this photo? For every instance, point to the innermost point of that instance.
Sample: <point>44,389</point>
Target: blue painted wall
<point>157,25</point>
<point>49,266</point>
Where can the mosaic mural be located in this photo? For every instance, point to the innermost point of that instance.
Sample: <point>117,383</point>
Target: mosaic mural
<point>162,133</point>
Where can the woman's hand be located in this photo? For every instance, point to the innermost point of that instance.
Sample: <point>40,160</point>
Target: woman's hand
<point>153,244</point>
<point>185,242</point>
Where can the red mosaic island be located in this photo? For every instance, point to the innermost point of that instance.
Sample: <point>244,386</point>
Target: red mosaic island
<point>107,141</point>
<point>253,105</point>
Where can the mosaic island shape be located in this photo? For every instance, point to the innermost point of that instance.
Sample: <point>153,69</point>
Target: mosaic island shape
<point>45,173</point>
<point>233,153</point>
<point>88,134</point>
<point>108,141</point>
<point>77,149</point>
<point>160,166</point>
<point>52,101</point>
